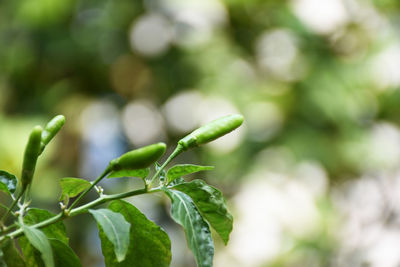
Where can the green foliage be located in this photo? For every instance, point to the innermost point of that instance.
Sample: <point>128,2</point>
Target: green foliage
<point>64,256</point>
<point>32,256</point>
<point>211,205</point>
<point>71,187</point>
<point>39,240</point>
<point>8,182</point>
<point>319,97</point>
<point>127,237</point>
<point>185,169</point>
<point>55,230</point>
<point>115,229</point>
<point>198,234</point>
<point>150,245</point>
<point>11,256</point>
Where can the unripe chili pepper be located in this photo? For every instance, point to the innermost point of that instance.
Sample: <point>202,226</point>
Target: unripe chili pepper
<point>211,131</point>
<point>138,158</point>
<point>51,129</point>
<point>31,154</point>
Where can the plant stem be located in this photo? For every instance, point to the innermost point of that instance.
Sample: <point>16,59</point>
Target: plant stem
<point>12,205</point>
<point>83,209</point>
<point>104,174</point>
<point>8,229</point>
<point>70,212</point>
<point>176,152</point>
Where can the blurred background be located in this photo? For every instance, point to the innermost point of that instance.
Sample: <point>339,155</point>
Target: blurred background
<point>312,177</point>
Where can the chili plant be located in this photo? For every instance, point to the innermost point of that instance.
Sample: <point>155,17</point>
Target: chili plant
<point>36,237</point>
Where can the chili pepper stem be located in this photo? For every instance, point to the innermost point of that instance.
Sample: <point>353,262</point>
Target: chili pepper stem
<point>8,229</point>
<point>21,213</point>
<point>79,210</point>
<point>27,196</point>
<point>179,149</point>
<point>12,205</point>
<point>104,174</point>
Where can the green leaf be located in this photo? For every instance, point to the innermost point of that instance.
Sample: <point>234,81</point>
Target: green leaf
<point>64,256</point>
<point>197,231</point>
<point>149,246</point>
<point>116,229</point>
<point>39,240</point>
<point>71,187</point>
<point>11,256</point>
<point>8,182</point>
<point>140,173</point>
<point>55,230</point>
<point>211,205</point>
<point>185,169</point>
<point>177,181</point>
<point>31,255</point>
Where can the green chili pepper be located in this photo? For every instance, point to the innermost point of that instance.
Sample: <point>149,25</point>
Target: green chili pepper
<point>51,130</point>
<point>138,158</point>
<point>31,154</point>
<point>211,131</point>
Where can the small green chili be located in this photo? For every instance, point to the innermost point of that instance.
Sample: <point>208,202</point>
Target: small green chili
<point>32,151</point>
<point>138,158</point>
<point>51,129</point>
<point>211,131</point>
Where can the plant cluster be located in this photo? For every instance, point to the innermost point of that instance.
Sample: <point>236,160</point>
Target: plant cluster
<point>127,237</point>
